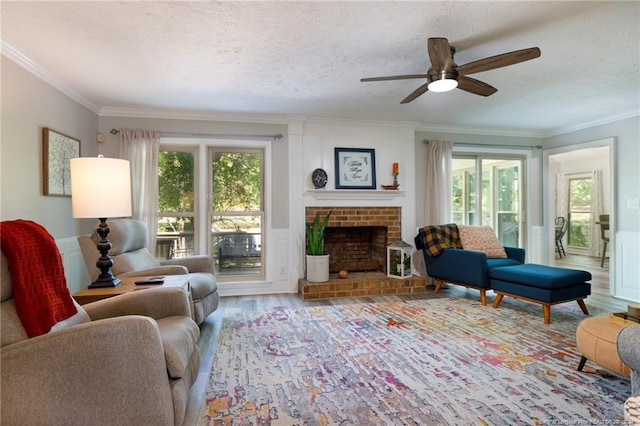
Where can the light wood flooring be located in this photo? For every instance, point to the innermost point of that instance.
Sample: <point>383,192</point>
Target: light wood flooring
<point>210,328</point>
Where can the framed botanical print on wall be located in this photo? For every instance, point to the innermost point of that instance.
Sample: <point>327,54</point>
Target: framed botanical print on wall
<point>57,151</point>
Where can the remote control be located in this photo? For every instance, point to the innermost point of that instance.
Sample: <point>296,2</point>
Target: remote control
<point>152,280</point>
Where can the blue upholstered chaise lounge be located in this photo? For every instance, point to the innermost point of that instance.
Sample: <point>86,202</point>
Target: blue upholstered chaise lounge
<point>447,262</point>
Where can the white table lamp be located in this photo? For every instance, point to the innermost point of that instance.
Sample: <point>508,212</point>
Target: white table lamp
<point>101,188</point>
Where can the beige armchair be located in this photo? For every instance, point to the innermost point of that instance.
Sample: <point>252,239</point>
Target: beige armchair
<point>131,257</point>
<point>127,360</point>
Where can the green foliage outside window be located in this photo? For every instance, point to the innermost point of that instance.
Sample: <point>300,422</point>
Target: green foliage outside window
<point>236,181</point>
<point>175,189</point>
<point>579,212</point>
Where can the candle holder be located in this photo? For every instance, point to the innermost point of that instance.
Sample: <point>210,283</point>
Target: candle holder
<point>395,182</point>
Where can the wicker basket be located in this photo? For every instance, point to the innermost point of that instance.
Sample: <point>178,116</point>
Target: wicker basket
<point>632,410</point>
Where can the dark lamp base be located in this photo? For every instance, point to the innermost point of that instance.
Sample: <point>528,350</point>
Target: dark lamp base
<point>105,282</point>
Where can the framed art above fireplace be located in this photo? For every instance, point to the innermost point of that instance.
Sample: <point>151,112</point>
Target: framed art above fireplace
<point>355,168</point>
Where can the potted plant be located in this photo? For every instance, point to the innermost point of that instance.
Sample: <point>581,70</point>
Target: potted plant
<point>317,260</point>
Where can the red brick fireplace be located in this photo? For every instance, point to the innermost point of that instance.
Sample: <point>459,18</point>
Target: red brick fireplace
<point>356,240</point>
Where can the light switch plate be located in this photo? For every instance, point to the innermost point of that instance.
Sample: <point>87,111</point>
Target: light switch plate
<point>99,137</point>
<point>633,203</point>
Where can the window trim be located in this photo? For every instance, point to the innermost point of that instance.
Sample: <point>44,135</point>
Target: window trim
<point>202,145</point>
<point>211,149</point>
<point>196,184</point>
<point>479,154</point>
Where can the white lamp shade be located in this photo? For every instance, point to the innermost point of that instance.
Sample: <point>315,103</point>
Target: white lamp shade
<point>100,187</point>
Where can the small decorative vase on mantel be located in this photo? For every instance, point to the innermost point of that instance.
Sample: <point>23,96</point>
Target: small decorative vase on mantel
<point>317,260</point>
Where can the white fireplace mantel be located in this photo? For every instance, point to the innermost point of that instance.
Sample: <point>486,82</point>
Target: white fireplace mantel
<point>354,194</point>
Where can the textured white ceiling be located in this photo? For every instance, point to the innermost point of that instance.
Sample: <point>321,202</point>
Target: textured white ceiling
<point>308,57</point>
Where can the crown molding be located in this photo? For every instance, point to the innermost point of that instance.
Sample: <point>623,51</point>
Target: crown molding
<point>481,131</point>
<point>169,114</point>
<point>21,59</point>
<point>602,121</point>
<point>362,122</point>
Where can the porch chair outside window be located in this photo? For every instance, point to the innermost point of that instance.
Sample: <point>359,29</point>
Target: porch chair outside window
<point>604,235</point>
<point>561,229</point>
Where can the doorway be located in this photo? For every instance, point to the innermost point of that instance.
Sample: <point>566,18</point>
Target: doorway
<point>579,187</point>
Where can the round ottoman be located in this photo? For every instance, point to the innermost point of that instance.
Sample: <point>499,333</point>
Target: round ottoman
<point>597,340</point>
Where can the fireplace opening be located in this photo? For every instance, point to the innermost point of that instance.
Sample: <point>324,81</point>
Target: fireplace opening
<point>356,248</point>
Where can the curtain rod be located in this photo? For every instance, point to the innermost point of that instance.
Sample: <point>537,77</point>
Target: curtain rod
<point>491,145</point>
<point>213,135</point>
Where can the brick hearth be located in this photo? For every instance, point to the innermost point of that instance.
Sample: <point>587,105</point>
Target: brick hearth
<point>360,284</point>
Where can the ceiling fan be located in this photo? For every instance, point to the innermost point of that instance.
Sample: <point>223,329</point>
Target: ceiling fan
<point>445,75</point>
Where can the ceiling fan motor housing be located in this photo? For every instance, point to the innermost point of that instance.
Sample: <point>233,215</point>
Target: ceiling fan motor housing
<point>433,75</point>
<point>442,80</point>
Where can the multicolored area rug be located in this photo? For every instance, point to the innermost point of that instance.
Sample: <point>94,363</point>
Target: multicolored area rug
<point>423,362</point>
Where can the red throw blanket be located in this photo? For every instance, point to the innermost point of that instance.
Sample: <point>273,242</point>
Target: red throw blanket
<point>37,276</point>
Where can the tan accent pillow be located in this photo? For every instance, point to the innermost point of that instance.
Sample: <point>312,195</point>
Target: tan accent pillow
<point>481,238</point>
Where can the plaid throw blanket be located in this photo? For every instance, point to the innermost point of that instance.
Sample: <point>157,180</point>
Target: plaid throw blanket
<point>37,276</point>
<point>438,238</point>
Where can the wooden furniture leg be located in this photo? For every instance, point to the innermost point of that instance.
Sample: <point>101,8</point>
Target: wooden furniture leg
<point>438,286</point>
<point>546,312</point>
<point>583,306</point>
<point>583,360</point>
<point>499,297</point>
<point>483,297</point>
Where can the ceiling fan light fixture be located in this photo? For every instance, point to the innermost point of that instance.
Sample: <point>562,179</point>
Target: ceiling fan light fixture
<point>442,81</point>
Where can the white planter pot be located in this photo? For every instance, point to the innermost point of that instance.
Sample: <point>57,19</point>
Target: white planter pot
<point>318,268</point>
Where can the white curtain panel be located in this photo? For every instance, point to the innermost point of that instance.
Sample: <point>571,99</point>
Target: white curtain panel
<point>562,195</point>
<point>141,148</point>
<point>437,205</point>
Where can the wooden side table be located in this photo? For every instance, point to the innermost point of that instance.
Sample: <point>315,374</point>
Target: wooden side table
<point>128,285</point>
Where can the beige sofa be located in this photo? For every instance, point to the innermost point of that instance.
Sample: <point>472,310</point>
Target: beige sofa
<point>131,257</point>
<point>127,360</point>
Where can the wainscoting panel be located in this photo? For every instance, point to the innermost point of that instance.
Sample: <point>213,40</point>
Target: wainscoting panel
<point>74,268</point>
<point>535,252</point>
<point>627,269</point>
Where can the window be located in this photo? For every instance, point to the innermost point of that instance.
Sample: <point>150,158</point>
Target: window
<point>495,199</point>
<point>211,200</point>
<point>176,202</point>
<point>237,212</point>
<point>579,212</point>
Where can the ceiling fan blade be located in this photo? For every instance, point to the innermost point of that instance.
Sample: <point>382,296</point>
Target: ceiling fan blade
<point>499,61</point>
<point>474,86</point>
<point>439,53</point>
<point>419,91</point>
<point>394,77</point>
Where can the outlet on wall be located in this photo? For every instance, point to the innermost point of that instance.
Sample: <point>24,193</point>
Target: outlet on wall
<point>633,203</point>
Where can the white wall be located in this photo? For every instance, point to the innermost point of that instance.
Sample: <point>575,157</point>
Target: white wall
<point>28,105</point>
